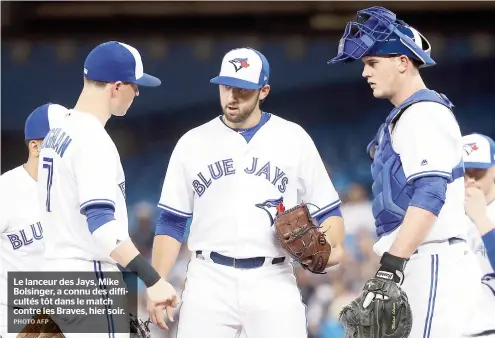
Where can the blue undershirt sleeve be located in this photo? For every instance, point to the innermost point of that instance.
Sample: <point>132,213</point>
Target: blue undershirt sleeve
<point>430,193</point>
<point>171,225</point>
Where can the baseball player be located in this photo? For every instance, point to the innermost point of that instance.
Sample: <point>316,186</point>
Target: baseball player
<point>479,161</point>
<point>230,174</point>
<point>82,184</point>
<point>21,242</point>
<point>418,178</point>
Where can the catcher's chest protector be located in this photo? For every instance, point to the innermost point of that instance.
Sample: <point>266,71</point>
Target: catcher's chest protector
<point>391,191</point>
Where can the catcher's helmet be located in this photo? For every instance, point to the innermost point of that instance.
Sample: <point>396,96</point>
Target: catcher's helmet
<point>378,32</point>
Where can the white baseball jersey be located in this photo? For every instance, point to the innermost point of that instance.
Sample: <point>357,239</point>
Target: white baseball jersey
<point>231,187</point>
<point>21,240</point>
<point>79,166</point>
<point>484,319</point>
<point>428,139</point>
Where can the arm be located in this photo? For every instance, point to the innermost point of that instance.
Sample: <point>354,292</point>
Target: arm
<point>318,189</point>
<point>487,232</point>
<point>489,241</point>
<point>476,209</point>
<point>176,202</point>
<point>95,168</point>
<point>334,230</point>
<point>427,139</point>
<point>169,235</point>
<point>426,203</point>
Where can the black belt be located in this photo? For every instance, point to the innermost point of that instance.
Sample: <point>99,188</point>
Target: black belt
<point>451,240</point>
<point>239,263</point>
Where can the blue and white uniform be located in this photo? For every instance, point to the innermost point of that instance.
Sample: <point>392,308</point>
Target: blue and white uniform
<point>479,153</point>
<point>21,228</point>
<point>230,182</point>
<point>417,162</point>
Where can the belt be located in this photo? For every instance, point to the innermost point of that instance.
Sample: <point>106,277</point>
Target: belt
<point>451,241</point>
<point>239,263</point>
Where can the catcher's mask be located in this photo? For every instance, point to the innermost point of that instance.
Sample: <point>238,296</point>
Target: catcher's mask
<point>378,32</point>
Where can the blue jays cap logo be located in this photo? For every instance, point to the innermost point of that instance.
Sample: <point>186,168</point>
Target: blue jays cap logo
<point>470,147</point>
<point>239,63</point>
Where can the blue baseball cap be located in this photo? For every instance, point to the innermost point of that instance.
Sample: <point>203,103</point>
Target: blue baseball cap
<point>244,68</point>
<point>39,121</point>
<point>479,151</point>
<point>116,61</point>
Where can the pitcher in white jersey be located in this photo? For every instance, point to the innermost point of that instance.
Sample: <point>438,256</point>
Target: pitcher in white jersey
<point>21,240</point>
<point>229,175</point>
<point>82,187</point>
<point>479,161</point>
<point>418,178</point>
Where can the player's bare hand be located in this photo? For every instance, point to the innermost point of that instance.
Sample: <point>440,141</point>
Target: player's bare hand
<point>161,296</point>
<point>475,204</point>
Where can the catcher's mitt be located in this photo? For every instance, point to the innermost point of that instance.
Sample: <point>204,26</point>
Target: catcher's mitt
<point>43,327</point>
<point>388,315</point>
<point>300,237</point>
<point>138,328</point>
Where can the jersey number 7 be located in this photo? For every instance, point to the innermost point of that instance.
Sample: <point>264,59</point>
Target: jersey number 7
<point>48,164</point>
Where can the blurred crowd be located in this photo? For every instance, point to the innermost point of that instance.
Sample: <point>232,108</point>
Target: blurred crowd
<point>324,295</point>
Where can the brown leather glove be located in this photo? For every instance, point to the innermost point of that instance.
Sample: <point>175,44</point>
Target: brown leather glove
<point>301,238</point>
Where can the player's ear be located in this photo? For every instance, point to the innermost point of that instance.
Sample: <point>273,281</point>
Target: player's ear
<point>264,92</point>
<point>403,63</point>
<point>116,86</point>
<point>34,147</point>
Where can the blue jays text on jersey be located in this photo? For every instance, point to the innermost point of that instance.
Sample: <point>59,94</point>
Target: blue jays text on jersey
<point>270,172</point>
<point>58,140</point>
<point>23,237</point>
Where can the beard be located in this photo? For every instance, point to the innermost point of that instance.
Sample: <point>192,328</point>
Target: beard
<point>243,114</point>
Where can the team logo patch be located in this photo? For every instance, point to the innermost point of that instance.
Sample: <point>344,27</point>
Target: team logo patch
<point>268,206</point>
<point>239,63</point>
<point>470,147</point>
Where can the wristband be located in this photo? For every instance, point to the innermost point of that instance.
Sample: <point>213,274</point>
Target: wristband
<point>392,268</point>
<point>140,266</point>
<point>393,263</point>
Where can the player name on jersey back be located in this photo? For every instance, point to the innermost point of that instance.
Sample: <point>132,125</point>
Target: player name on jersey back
<point>57,140</point>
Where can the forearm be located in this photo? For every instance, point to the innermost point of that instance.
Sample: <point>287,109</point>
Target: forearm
<point>414,229</point>
<point>165,252</point>
<point>127,255</point>
<point>334,230</point>
<point>125,252</point>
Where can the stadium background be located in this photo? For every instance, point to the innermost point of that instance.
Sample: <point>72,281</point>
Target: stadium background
<point>44,45</point>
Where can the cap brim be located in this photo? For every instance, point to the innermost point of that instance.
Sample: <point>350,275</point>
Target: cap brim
<point>231,81</point>
<point>477,165</point>
<point>148,81</point>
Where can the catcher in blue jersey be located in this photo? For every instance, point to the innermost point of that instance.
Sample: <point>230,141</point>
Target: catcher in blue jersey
<point>427,269</point>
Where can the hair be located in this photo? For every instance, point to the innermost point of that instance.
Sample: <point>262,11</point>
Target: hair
<point>415,63</point>
<point>95,83</point>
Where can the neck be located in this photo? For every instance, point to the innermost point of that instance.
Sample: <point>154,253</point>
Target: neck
<point>408,88</point>
<point>253,119</point>
<point>31,166</point>
<point>92,101</point>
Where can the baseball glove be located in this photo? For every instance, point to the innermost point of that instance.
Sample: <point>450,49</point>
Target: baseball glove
<point>43,327</point>
<point>301,238</point>
<point>138,328</point>
<point>388,315</point>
